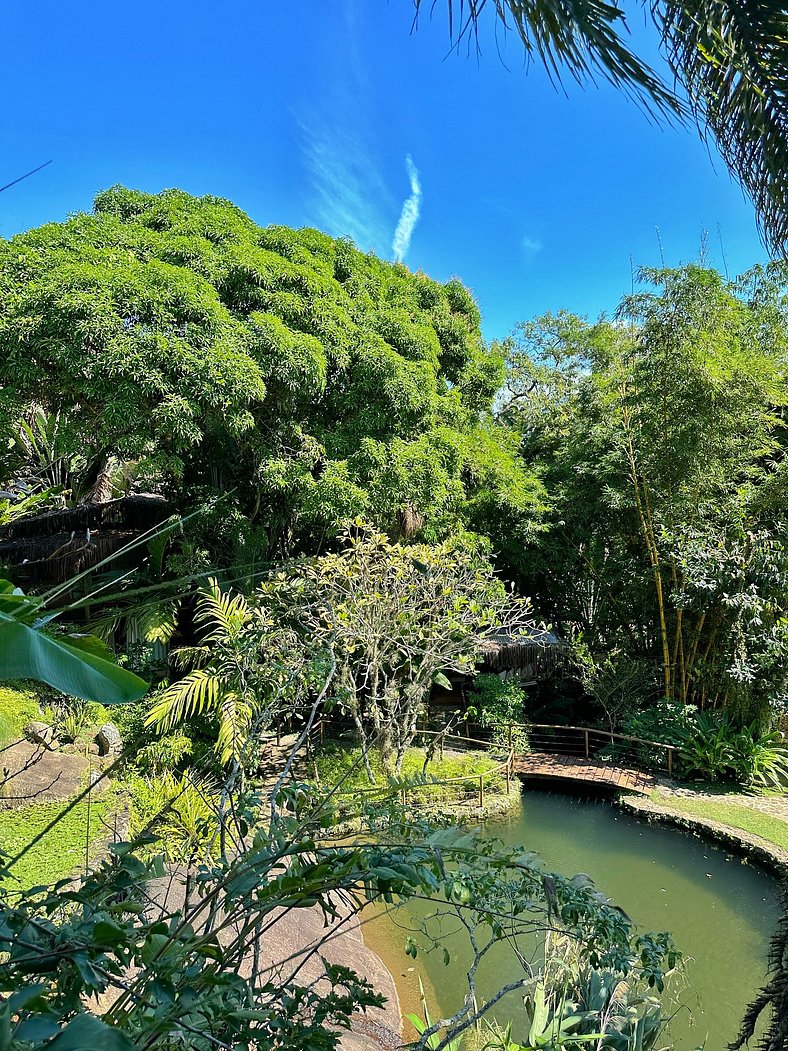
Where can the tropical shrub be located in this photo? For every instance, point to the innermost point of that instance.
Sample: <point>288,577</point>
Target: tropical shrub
<point>180,809</point>
<point>760,757</point>
<point>715,749</point>
<point>390,619</point>
<point>164,754</point>
<point>72,718</point>
<point>664,721</point>
<point>499,703</point>
<point>235,674</point>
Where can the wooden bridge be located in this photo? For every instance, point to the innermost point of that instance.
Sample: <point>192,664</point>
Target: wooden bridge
<point>559,753</point>
<point>579,753</point>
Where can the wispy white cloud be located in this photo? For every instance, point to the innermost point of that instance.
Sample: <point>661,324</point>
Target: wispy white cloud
<point>530,247</point>
<point>409,215</point>
<point>350,195</point>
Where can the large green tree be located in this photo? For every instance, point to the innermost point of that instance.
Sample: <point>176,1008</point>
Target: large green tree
<point>296,378</point>
<point>662,441</point>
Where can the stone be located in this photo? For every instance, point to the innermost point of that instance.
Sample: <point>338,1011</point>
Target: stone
<point>109,740</point>
<point>42,733</point>
<point>93,748</point>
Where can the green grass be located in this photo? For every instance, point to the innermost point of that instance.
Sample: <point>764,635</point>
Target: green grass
<point>17,708</point>
<point>338,763</point>
<point>61,850</point>
<point>735,816</point>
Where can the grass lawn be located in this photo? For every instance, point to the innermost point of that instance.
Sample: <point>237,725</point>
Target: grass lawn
<point>18,707</point>
<point>734,815</point>
<point>62,850</point>
<point>339,763</point>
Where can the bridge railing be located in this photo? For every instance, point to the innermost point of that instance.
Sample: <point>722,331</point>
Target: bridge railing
<point>604,746</point>
<point>416,793</point>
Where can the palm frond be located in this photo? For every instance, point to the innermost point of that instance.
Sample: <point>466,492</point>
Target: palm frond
<point>220,612</point>
<point>195,694</point>
<point>235,717</point>
<point>732,57</point>
<point>584,38</point>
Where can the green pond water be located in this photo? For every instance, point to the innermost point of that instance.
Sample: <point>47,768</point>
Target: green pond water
<point>720,910</point>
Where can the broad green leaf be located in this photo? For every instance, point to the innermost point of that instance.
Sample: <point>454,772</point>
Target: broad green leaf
<point>88,1033</point>
<point>26,653</point>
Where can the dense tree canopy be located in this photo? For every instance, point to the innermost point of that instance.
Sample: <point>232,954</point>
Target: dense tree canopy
<point>302,380</point>
<point>662,442</point>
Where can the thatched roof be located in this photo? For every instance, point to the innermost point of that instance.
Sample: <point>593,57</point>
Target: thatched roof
<point>532,653</point>
<point>51,547</point>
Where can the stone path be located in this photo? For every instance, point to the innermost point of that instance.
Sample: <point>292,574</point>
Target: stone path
<point>31,773</point>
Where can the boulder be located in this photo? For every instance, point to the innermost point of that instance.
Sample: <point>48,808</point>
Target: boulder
<point>41,733</point>
<point>109,740</point>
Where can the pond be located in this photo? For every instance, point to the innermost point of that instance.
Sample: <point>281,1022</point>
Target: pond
<point>720,910</point>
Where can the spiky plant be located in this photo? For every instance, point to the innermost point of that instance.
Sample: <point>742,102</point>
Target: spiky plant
<point>772,999</point>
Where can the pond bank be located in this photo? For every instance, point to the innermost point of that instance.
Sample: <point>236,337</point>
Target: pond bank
<point>771,856</point>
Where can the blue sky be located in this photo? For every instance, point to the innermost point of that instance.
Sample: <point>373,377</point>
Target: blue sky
<point>334,114</point>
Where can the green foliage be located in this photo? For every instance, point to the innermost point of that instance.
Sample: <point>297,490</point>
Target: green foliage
<point>660,441</point>
<point>165,754</point>
<point>238,672</point>
<point>18,707</point>
<point>73,718</point>
<point>76,665</point>
<point>716,749</point>
<point>294,379</point>
<point>341,767</point>
<point>665,722</point>
<point>499,703</point>
<point>182,810</point>
<point>389,618</point>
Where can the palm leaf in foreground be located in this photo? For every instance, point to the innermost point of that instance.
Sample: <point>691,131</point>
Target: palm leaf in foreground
<point>584,38</point>
<point>732,57</point>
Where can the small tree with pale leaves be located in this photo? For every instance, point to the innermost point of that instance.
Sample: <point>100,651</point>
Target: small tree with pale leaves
<point>395,618</point>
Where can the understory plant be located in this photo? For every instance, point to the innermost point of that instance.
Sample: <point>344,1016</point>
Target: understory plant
<point>713,748</point>
<point>498,704</point>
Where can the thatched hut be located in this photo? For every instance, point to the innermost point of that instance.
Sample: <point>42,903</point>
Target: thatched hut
<point>55,546</point>
<point>528,656</point>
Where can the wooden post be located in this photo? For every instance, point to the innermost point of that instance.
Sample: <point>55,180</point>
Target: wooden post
<point>585,734</point>
<point>510,737</point>
<point>321,729</point>
<point>508,773</point>
<point>481,790</point>
<point>670,762</point>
